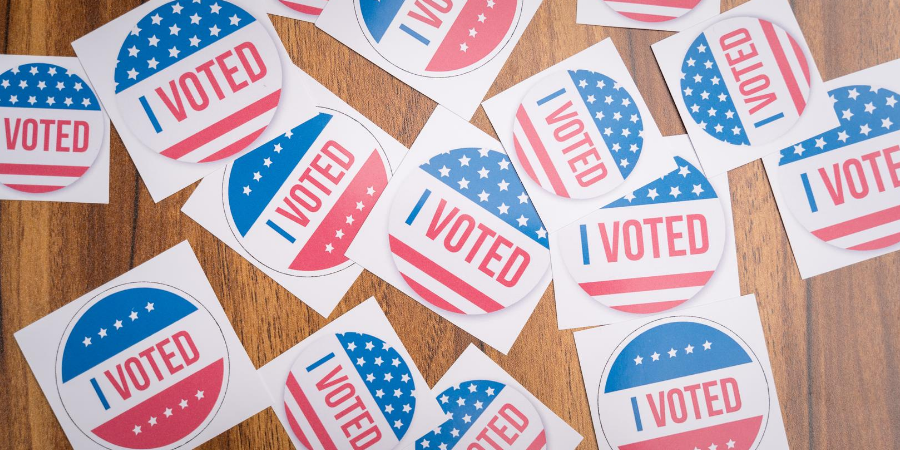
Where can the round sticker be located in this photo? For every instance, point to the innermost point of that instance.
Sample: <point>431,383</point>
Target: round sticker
<point>198,81</point>
<point>464,234</point>
<point>683,382</point>
<point>843,185</point>
<point>350,391</point>
<point>143,366</point>
<point>652,10</point>
<point>296,202</point>
<point>438,38</point>
<point>53,127</point>
<point>745,81</point>
<point>653,249</point>
<point>486,415</point>
<point>578,134</point>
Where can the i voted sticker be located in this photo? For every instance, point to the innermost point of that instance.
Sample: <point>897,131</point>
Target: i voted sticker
<point>464,234</point>
<point>142,366</point>
<point>485,415</point>
<point>578,134</point>
<point>296,202</point>
<point>52,129</point>
<point>438,38</point>
<point>652,249</point>
<point>745,81</point>
<point>350,391</point>
<point>683,382</point>
<point>652,11</point>
<point>198,81</point>
<point>843,185</point>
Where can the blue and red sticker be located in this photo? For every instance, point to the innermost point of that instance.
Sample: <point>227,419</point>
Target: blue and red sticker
<point>464,234</point>
<point>198,81</point>
<point>53,128</point>
<point>683,383</point>
<point>745,81</point>
<point>296,202</point>
<point>438,38</point>
<point>652,11</point>
<point>485,415</point>
<point>578,134</point>
<point>843,185</point>
<point>143,366</point>
<point>652,249</point>
<point>350,391</point>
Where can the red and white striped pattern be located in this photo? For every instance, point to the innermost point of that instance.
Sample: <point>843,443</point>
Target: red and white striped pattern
<point>872,231</point>
<point>39,178</point>
<point>308,9</point>
<point>791,62</point>
<point>652,10</point>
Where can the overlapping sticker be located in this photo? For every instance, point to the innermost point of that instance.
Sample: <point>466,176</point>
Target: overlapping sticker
<point>745,81</point>
<point>464,234</point>
<point>350,391</point>
<point>53,128</point>
<point>295,203</point>
<point>438,39</point>
<point>843,185</point>
<point>198,81</point>
<point>653,249</point>
<point>652,11</point>
<point>578,134</point>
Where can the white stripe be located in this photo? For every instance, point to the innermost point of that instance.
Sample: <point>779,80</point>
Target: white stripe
<point>311,3</point>
<point>791,56</point>
<point>655,10</point>
<point>37,180</point>
<point>229,138</point>
<point>641,298</point>
<point>290,404</point>
<point>436,287</point>
<point>867,235</point>
<point>528,149</point>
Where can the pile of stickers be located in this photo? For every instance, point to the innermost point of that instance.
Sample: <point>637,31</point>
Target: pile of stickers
<point>582,189</point>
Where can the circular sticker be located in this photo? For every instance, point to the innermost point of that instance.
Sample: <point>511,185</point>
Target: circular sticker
<point>143,366</point>
<point>53,127</point>
<point>296,202</point>
<point>438,38</point>
<point>843,185</point>
<point>745,81</point>
<point>652,10</point>
<point>350,391</point>
<point>578,134</point>
<point>198,81</point>
<point>486,415</point>
<point>652,249</point>
<point>464,234</point>
<point>683,382</point>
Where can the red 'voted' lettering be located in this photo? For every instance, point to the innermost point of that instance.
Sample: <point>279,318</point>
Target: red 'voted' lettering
<point>709,399</point>
<point>584,159</point>
<point>47,135</point>
<point>747,69</point>
<point>352,415</point>
<point>153,363</point>
<point>631,236</point>
<point>316,181</point>
<point>502,431</point>
<point>857,176</point>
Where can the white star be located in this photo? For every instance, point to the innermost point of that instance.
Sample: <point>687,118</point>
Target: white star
<point>199,395</point>
<point>68,101</point>
<point>691,62</point>
<point>425,443</point>
<point>136,430</point>
<point>388,377</point>
<point>719,128</point>
<point>729,114</point>
<point>176,8</point>
<point>195,41</point>
<point>503,208</point>
<point>704,95</point>
<point>483,173</point>
<point>886,123</point>
<point>541,233</point>
<point>360,361</point>
<point>701,48</point>
<point>582,83</point>
<point>132,74</point>
<point>398,424</point>
<point>820,143</point>
<point>623,162</point>
<point>698,78</point>
<point>329,248</point>
<point>846,114</point>
<point>617,115</point>
<point>133,51</point>
<point>168,412</point>
<point>156,18</point>
<point>463,183</point>
<point>711,112</point>
<point>102,333</point>
<point>853,93</point>
<point>86,102</point>
<point>214,8</point>
<point>798,149</point>
<point>153,40</point>
<point>707,345</point>
<point>195,19</point>
<point>86,341</point>
<point>675,191</point>
<point>256,176</point>
<point>591,99</point>
<point>183,404</point>
<point>503,185</point>
<point>522,220</point>
<point>689,349</point>
<point>149,307</point>
<point>651,194</point>
<point>843,136</point>
<point>638,360</point>
<point>51,100</point>
<point>479,405</point>
<point>736,130</point>
<point>152,63</point>
<point>463,47</point>
<point>672,352</point>
<point>708,64</point>
<point>339,234</point>
<point>454,432</point>
<point>504,164</point>
<point>118,324</point>
<point>698,189</point>
<point>599,115</point>
<point>133,316</point>
<point>234,19</point>
<point>267,162</point>
<point>445,172</point>
<point>870,108</point>
<point>715,80</point>
<point>865,129</point>
<point>483,196</point>
<point>214,31</point>
<point>472,32</point>
<point>173,52</point>
<point>360,206</point>
<point>247,190</point>
<point>467,418</point>
<point>629,196</point>
<point>730,443</point>
<point>370,190</point>
<point>891,101</point>
<point>483,152</point>
<point>522,198</point>
<point>655,356</point>
<point>349,220</point>
<point>152,421</point>
<point>173,30</point>
<point>481,18</point>
<point>464,161</point>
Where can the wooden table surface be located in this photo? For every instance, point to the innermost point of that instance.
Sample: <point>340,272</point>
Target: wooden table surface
<point>833,340</point>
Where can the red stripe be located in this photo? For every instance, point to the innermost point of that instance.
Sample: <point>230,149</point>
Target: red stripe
<point>798,52</point>
<point>34,188</point>
<point>42,170</point>
<point>443,276</point>
<point>783,65</point>
<point>643,284</point>
<point>431,297</point>
<point>648,308</point>
<point>223,126</point>
<point>879,243</point>
<point>539,442</point>
<point>235,146</point>
<point>646,17</point>
<point>292,422</point>
<point>538,147</point>
<point>524,159</point>
<point>310,414</point>
<point>305,9</point>
<point>858,224</point>
<point>686,4</point>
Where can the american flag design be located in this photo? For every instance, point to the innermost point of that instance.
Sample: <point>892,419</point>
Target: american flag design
<point>296,202</point>
<point>438,38</point>
<point>843,185</point>
<point>464,235</point>
<point>307,9</point>
<point>52,129</point>
<point>653,249</point>
<point>142,366</point>
<point>652,10</point>
<point>198,80</point>
<point>483,414</point>
<point>578,134</point>
<point>745,81</point>
<point>350,391</point>
<point>683,383</point>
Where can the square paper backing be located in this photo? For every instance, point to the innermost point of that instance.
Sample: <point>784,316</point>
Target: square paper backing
<point>461,93</point>
<point>176,267</point>
<point>321,293</point>
<point>93,186</point>
<point>717,156</point>
<point>443,131</point>
<point>576,309</point>
<point>164,176</point>
<point>597,12</point>
<point>555,211</point>
<point>366,318</point>
<point>596,345</point>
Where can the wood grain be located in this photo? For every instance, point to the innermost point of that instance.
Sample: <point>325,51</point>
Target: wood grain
<point>833,340</point>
